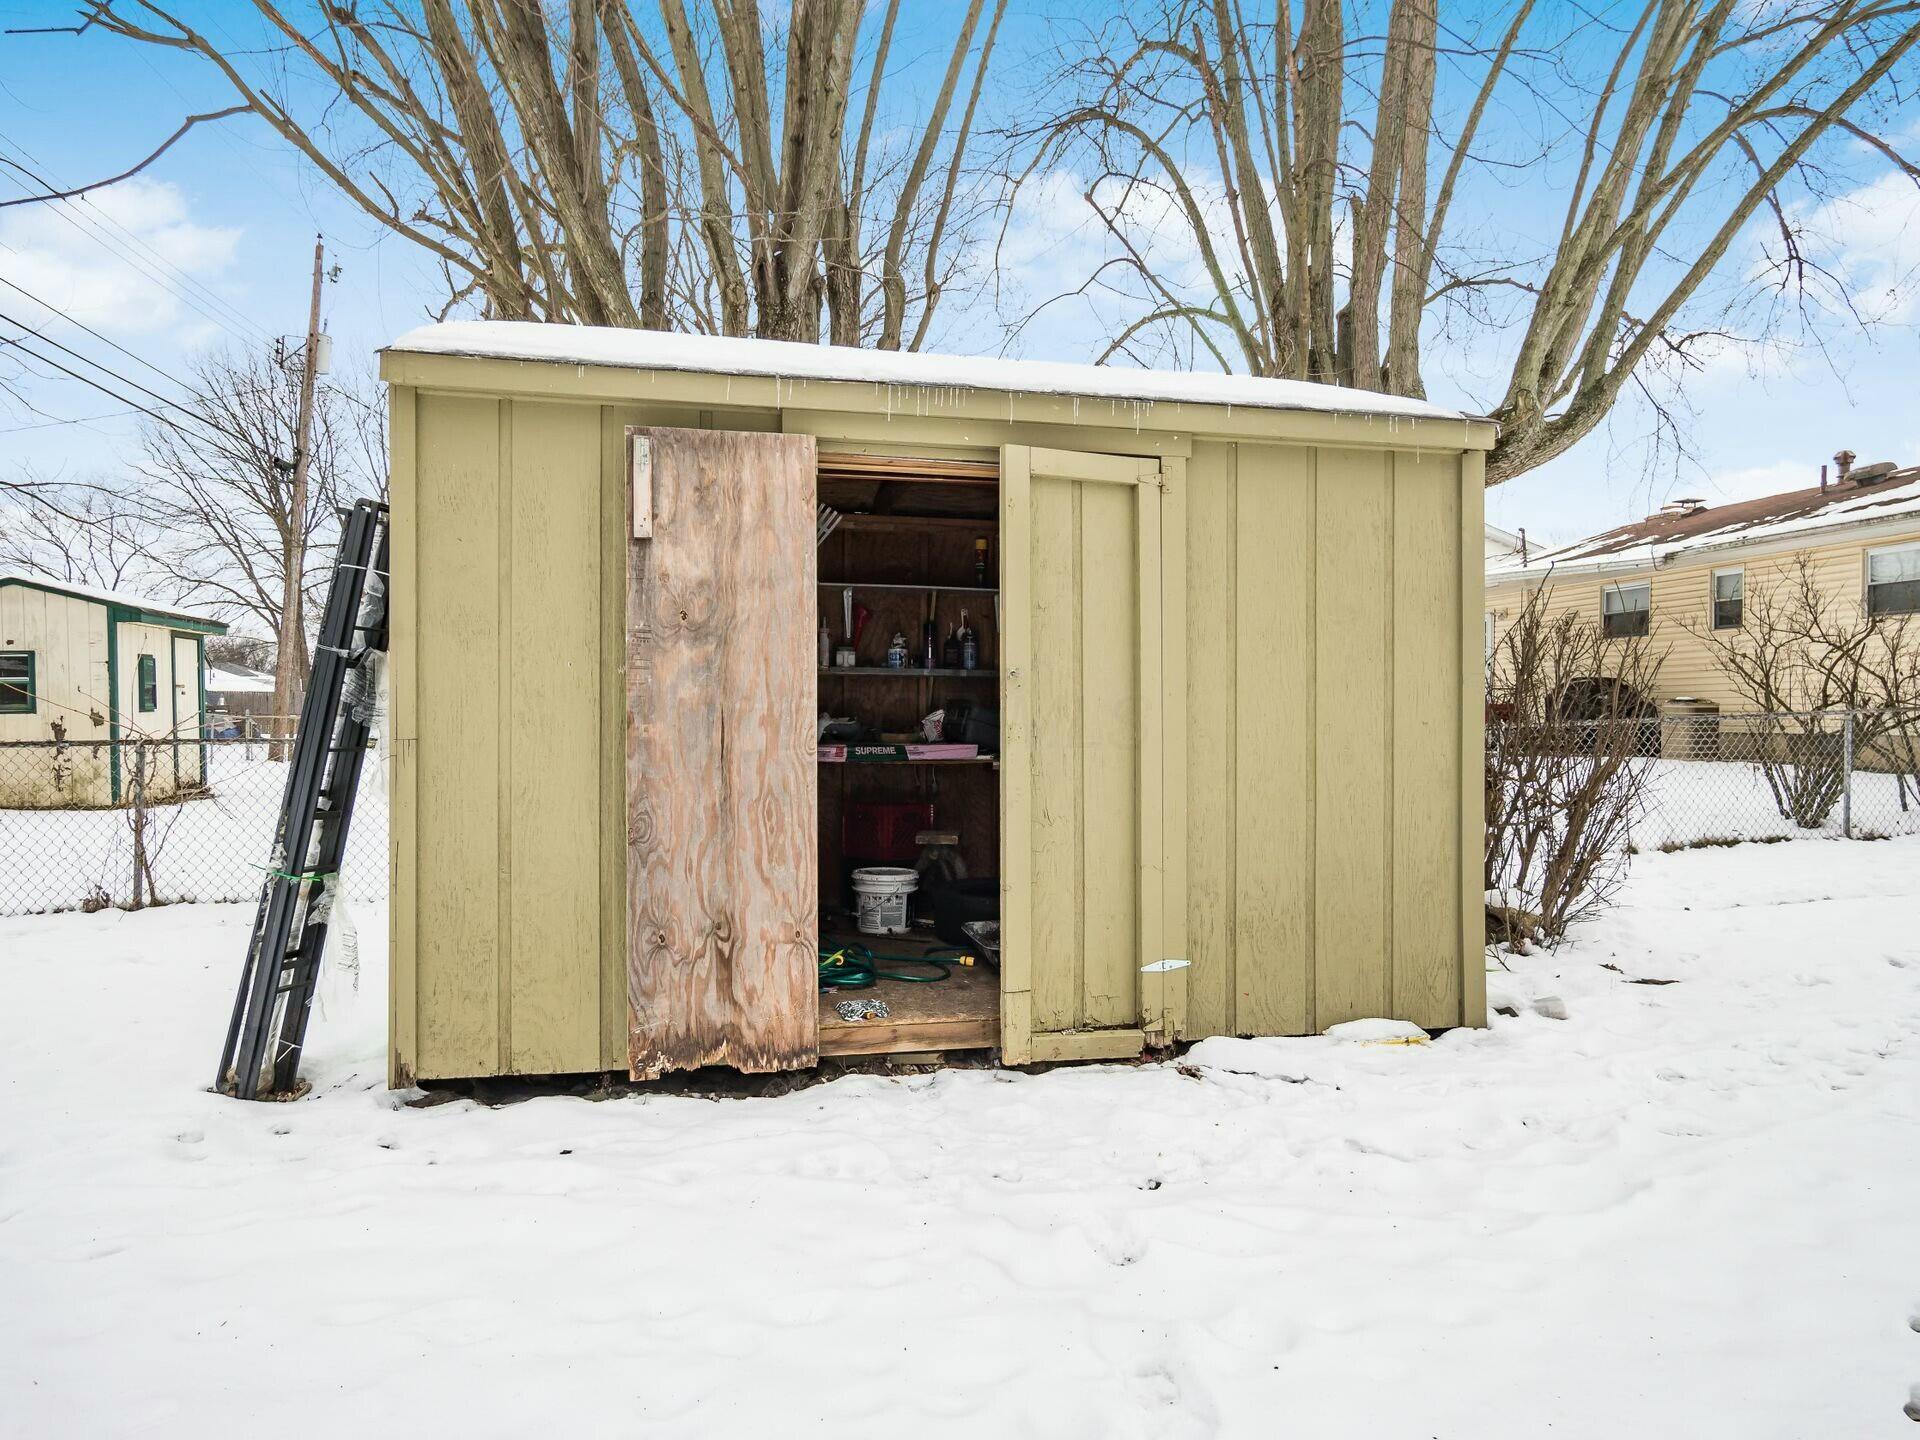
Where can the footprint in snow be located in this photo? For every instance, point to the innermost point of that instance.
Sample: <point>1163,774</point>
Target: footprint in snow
<point>1121,1245</point>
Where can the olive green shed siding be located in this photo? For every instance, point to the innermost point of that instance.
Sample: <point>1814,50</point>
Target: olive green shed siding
<point>1315,770</point>
<point>1326,766</point>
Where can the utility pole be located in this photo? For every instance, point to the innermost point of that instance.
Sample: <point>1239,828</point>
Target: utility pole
<point>291,665</point>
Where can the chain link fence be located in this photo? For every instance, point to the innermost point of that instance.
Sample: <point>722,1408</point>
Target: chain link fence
<point>194,820</point>
<point>1720,779</point>
<point>85,825</point>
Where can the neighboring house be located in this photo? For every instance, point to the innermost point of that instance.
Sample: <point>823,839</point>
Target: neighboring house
<point>80,665</point>
<point>1691,567</point>
<point>1502,543</point>
<point>238,693</point>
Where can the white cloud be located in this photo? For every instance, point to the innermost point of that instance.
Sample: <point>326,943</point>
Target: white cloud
<point>1753,481</point>
<point>79,259</point>
<point>1875,232</point>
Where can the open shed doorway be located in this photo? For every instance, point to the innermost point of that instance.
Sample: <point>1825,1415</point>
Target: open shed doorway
<point>909,633</point>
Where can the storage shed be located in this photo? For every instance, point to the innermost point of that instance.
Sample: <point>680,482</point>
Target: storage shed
<point>1219,726</point>
<point>80,665</point>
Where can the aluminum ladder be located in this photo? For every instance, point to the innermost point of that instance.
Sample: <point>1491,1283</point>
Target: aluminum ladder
<point>261,1059</point>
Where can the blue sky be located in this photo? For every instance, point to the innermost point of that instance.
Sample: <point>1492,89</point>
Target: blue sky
<point>212,246</point>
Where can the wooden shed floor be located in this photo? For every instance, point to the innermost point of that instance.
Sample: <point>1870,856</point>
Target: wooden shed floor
<point>961,1012</point>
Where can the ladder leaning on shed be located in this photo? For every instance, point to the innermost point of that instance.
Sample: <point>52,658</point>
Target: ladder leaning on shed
<point>261,1059</point>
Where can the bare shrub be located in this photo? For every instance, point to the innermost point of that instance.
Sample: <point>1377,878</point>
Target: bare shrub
<point>1808,659</point>
<point>1570,722</point>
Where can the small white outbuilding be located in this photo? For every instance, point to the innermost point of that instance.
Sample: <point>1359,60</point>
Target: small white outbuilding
<point>84,672</point>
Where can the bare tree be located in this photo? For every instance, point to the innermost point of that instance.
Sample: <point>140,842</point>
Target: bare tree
<point>1821,670</point>
<point>1300,156</point>
<point>683,166</point>
<point>218,497</point>
<point>84,533</point>
<point>1567,736</point>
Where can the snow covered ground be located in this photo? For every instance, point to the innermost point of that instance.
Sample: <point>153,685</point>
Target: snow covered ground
<point>214,848</point>
<point>1690,801</point>
<point>1685,1210</point>
<point>211,848</point>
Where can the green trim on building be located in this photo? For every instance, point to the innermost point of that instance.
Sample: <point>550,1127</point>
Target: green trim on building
<point>33,693</point>
<point>144,615</point>
<point>113,704</point>
<point>200,715</point>
<point>147,678</point>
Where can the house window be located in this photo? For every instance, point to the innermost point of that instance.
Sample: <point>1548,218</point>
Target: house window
<point>1893,581</point>
<point>149,685</point>
<point>1729,599</point>
<point>1625,610</point>
<point>16,682</point>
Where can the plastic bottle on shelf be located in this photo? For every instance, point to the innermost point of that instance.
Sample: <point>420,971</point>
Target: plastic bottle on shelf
<point>980,568</point>
<point>969,645</point>
<point>897,652</point>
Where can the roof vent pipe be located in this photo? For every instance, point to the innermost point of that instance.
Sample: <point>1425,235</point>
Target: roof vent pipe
<point>1844,460</point>
<point>1823,479</point>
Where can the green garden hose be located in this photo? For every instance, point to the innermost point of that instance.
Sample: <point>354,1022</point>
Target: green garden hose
<point>845,966</point>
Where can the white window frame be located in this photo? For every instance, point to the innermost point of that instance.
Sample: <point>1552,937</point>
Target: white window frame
<point>1713,597</point>
<point>1489,627</point>
<point>1622,588</point>
<point>1866,575</point>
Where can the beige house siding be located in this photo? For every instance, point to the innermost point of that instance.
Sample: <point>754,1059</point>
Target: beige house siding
<point>68,638</point>
<point>80,700</point>
<point>1322,785</point>
<point>1682,605</point>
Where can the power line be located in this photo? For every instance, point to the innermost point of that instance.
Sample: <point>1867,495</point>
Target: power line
<point>108,390</point>
<point>53,420</point>
<point>152,268</point>
<point>123,379</point>
<point>72,319</point>
<point>103,218</point>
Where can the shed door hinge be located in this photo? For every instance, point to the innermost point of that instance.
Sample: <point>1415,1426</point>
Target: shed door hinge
<point>640,473</point>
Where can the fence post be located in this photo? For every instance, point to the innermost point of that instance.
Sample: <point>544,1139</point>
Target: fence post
<point>1846,777</point>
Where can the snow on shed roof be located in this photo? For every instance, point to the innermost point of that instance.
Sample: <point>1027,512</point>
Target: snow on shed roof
<point>787,360</point>
<point>1661,537</point>
<point>106,597</point>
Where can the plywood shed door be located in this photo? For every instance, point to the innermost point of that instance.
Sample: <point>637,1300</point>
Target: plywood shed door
<point>1083,748</point>
<point>722,874</point>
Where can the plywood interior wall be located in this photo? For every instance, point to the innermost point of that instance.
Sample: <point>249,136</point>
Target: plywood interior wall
<point>965,797</point>
<point>1324,737</point>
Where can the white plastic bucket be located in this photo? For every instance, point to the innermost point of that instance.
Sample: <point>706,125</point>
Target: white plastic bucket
<point>880,899</point>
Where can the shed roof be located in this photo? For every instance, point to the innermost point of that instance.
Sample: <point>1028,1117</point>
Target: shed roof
<point>1660,537</point>
<point>121,598</point>
<point>787,360</point>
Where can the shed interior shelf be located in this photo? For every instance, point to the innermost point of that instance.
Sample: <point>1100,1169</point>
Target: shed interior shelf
<point>856,520</point>
<point>907,585</point>
<point>912,672</point>
<point>854,767</point>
